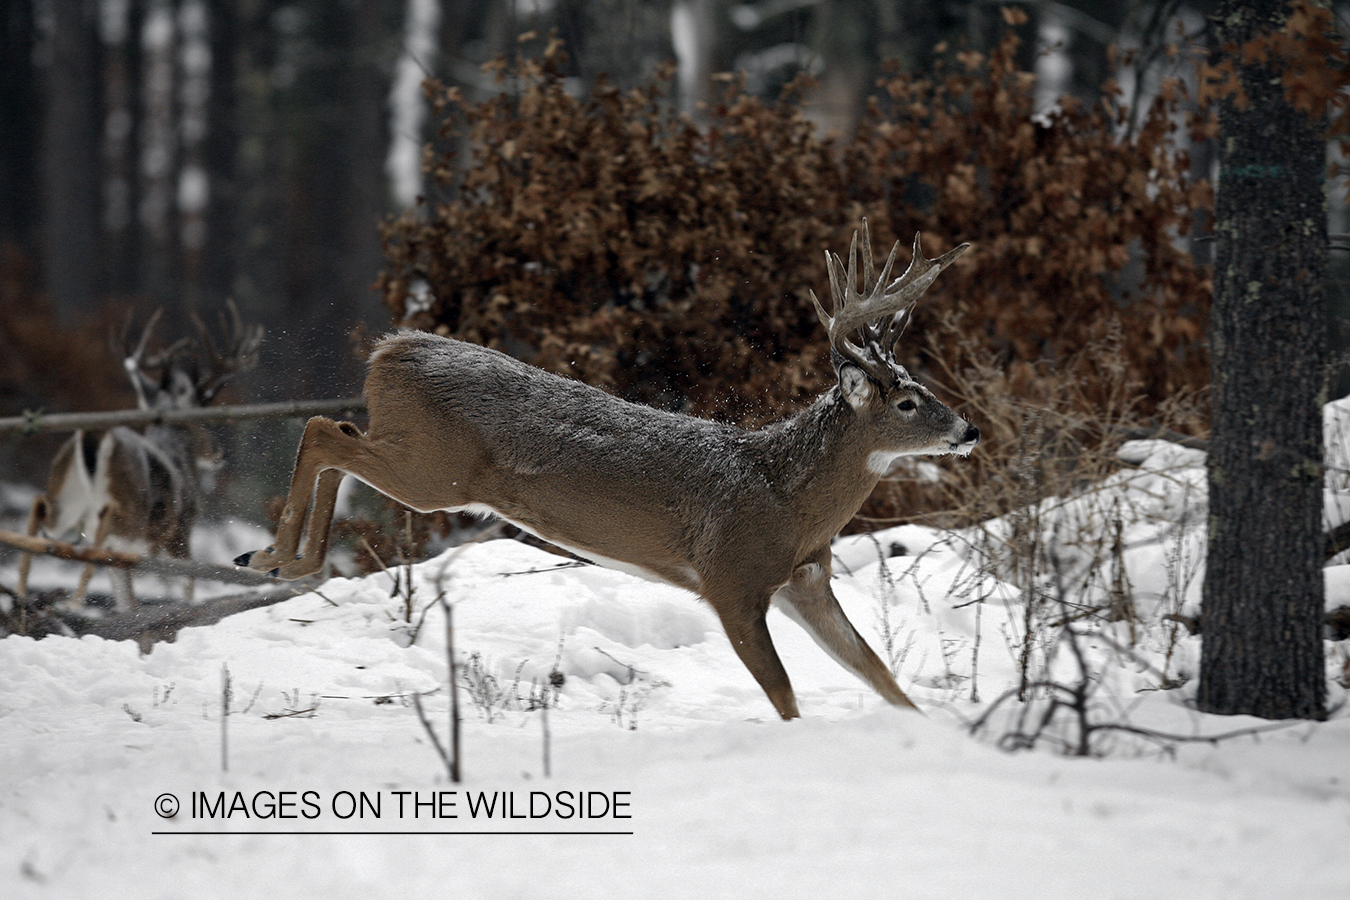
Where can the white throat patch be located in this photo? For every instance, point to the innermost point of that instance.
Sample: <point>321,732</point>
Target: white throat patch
<point>879,461</point>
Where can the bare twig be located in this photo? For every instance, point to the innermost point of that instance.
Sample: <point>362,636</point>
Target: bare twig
<point>226,693</point>
<point>543,712</point>
<point>454,685</point>
<point>435,741</point>
<point>292,713</point>
<point>1023,739</point>
<point>633,671</point>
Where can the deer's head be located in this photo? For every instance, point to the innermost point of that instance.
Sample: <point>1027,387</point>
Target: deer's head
<point>903,416</point>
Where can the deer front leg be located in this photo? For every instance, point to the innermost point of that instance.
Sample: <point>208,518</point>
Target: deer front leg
<point>750,638</point>
<point>809,601</point>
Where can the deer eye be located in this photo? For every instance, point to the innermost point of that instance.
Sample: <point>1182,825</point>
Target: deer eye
<point>906,405</point>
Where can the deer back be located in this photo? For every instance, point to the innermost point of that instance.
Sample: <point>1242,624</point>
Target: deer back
<point>563,459</point>
<point>615,480</point>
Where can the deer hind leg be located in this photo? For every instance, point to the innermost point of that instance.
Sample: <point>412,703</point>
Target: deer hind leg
<point>318,527</point>
<point>808,600</point>
<point>123,595</point>
<point>180,547</point>
<point>327,449</point>
<point>38,513</point>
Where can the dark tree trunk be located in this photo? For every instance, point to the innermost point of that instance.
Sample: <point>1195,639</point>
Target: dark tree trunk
<point>342,187</point>
<point>223,116</point>
<point>18,126</point>
<point>72,134</point>
<point>1262,614</point>
<point>122,155</point>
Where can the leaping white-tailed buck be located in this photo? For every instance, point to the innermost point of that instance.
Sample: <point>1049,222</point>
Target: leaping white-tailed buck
<point>140,488</point>
<point>742,518</point>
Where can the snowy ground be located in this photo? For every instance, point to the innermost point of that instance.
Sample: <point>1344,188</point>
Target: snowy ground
<point>697,789</point>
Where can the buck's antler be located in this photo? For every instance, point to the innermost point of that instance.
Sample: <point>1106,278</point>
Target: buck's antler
<point>147,372</point>
<point>237,352</point>
<point>880,310</point>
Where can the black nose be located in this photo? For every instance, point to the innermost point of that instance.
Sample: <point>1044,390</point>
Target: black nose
<point>972,435</point>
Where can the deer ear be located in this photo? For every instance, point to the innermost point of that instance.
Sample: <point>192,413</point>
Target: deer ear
<point>857,387</point>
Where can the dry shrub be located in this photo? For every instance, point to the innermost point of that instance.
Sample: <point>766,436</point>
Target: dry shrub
<point>610,240</point>
<point>1075,233</point>
<point>607,238</point>
<point>1045,430</point>
<point>49,365</point>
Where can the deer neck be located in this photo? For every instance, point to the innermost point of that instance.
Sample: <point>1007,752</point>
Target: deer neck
<point>819,460</point>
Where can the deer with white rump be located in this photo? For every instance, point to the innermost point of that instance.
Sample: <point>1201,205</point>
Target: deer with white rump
<point>742,518</point>
<point>140,488</point>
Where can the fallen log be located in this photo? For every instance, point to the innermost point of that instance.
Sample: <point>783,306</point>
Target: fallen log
<point>40,615</point>
<point>149,565</point>
<point>150,623</point>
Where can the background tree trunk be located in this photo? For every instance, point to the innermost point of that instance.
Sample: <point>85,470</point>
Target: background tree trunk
<point>72,134</point>
<point>19,108</point>
<point>1262,613</point>
<point>223,226</point>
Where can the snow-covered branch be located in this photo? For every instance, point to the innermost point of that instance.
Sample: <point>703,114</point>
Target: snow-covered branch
<point>33,422</point>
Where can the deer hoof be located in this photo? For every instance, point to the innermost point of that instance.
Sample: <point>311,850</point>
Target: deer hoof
<point>244,559</point>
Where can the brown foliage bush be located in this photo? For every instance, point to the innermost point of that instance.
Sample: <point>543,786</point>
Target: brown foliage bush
<point>50,365</point>
<point>46,363</point>
<point>1074,231</point>
<point>609,239</point>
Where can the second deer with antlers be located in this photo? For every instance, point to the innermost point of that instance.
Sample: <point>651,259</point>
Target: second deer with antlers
<point>742,518</point>
<point>140,488</point>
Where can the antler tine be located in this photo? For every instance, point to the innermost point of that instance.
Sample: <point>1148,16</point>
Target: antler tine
<point>886,269</point>
<point>838,287</point>
<point>138,353</point>
<point>869,271</point>
<point>236,353</point>
<point>922,272</point>
<point>881,309</point>
<point>835,271</point>
<point>146,372</point>
<point>851,277</point>
<point>131,356</point>
<point>134,358</point>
